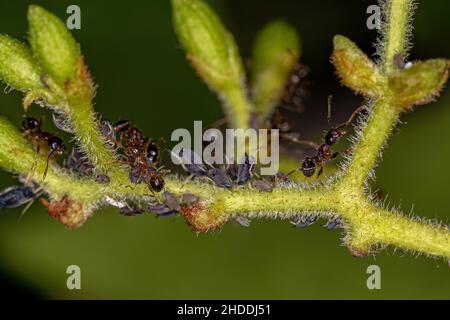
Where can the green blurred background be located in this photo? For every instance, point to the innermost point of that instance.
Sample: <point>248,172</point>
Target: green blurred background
<point>143,76</point>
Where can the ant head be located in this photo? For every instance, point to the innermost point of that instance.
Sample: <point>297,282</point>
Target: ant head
<point>308,167</point>
<point>156,183</point>
<point>30,123</point>
<point>332,137</point>
<point>56,144</point>
<point>135,135</point>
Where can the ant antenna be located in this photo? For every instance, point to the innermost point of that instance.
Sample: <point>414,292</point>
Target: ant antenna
<point>329,104</point>
<point>46,165</point>
<point>303,142</point>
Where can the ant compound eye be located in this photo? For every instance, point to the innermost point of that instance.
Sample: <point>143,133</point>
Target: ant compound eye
<point>30,123</point>
<point>55,143</point>
<point>152,153</point>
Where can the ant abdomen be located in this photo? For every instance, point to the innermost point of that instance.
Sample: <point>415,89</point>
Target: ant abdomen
<point>308,167</point>
<point>156,183</point>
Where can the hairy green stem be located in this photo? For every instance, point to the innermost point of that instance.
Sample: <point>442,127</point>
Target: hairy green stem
<point>370,144</point>
<point>396,32</point>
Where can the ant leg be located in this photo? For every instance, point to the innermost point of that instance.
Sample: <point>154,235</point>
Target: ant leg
<point>291,172</point>
<point>320,172</point>
<point>46,164</point>
<point>352,117</point>
<point>335,155</point>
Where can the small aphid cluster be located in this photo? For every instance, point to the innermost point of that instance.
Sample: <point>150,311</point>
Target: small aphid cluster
<point>170,205</point>
<point>229,176</point>
<point>304,221</point>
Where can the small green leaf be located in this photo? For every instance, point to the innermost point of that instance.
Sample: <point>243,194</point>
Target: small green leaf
<point>420,83</point>
<point>355,69</point>
<point>275,53</point>
<point>17,67</point>
<point>52,44</point>
<point>210,47</point>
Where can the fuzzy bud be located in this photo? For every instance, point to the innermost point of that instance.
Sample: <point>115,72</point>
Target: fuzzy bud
<point>17,66</point>
<point>355,69</point>
<point>419,84</point>
<point>52,44</point>
<point>209,46</point>
<point>275,54</point>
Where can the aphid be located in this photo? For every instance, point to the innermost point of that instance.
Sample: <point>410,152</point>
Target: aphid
<point>188,199</point>
<point>188,159</point>
<point>108,132</point>
<point>76,162</point>
<point>323,152</point>
<point>161,210</point>
<point>131,210</point>
<point>172,201</point>
<point>219,177</point>
<point>399,62</point>
<point>16,196</point>
<point>334,223</point>
<point>135,147</point>
<point>262,185</point>
<point>242,172</point>
<point>32,129</point>
<point>281,177</point>
<point>304,221</point>
<point>60,121</point>
<point>243,221</point>
<point>245,170</point>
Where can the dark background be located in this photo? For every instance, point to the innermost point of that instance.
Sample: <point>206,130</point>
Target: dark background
<point>143,76</point>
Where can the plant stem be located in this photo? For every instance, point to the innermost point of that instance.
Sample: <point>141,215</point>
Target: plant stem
<point>396,32</point>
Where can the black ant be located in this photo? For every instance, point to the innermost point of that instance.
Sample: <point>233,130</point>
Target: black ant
<point>141,154</point>
<point>323,152</point>
<point>32,129</point>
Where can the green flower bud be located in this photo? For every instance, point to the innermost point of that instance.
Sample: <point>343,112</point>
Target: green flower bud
<point>420,83</point>
<point>275,53</point>
<point>17,67</point>
<point>355,69</point>
<point>52,44</point>
<point>210,47</point>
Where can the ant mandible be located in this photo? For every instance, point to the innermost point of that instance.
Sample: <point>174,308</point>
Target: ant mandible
<point>323,152</point>
<point>32,129</point>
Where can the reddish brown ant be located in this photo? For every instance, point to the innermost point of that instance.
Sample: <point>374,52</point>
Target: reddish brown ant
<point>141,154</point>
<point>32,129</point>
<point>323,152</point>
